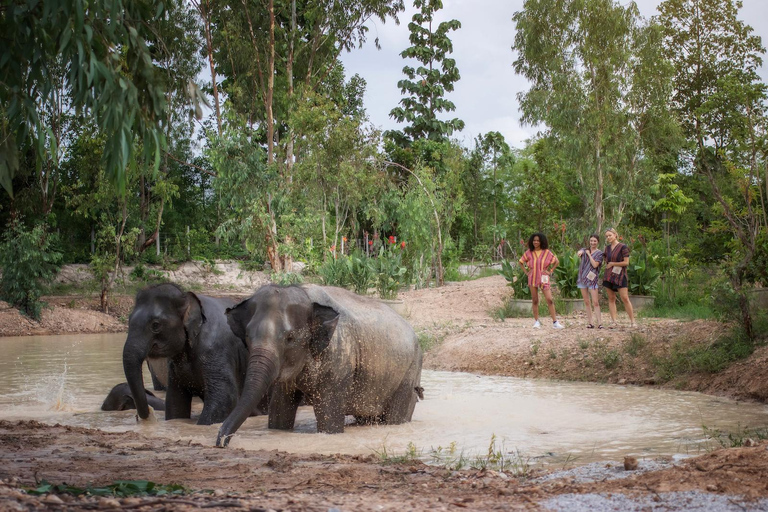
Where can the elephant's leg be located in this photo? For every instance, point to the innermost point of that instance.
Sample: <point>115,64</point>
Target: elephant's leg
<point>220,399</point>
<point>330,406</point>
<point>403,402</point>
<point>283,405</point>
<point>178,401</point>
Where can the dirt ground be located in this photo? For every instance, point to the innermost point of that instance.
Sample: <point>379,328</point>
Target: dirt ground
<point>456,320</point>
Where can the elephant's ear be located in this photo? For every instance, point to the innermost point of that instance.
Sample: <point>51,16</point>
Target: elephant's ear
<point>238,317</point>
<point>323,325</point>
<point>194,318</point>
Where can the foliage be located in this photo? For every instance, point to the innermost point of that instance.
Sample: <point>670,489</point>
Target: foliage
<point>425,87</point>
<point>516,278</point>
<point>567,276</point>
<point>388,272</point>
<point>707,358</point>
<point>285,278</point>
<point>121,90</point>
<point>361,272</point>
<point>335,272</point>
<point>600,86</point>
<point>121,488</point>
<point>29,260</point>
<point>643,273</point>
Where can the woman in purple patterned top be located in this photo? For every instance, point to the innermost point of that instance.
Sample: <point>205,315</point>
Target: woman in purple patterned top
<point>615,280</point>
<point>589,279</point>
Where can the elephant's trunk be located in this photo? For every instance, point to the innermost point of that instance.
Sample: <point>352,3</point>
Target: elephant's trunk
<point>263,368</point>
<point>134,354</point>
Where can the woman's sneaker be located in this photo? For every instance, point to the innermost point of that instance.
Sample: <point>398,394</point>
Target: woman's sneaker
<point>557,325</point>
<point>537,325</point>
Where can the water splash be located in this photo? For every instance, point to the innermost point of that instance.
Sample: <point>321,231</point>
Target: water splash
<point>52,390</point>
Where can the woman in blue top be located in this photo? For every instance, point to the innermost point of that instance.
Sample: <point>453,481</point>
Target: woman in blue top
<point>589,277</point>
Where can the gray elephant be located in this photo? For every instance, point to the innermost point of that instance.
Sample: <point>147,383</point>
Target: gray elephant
<point>204,358</point>
<point>341,353</point>
<point>121,399</point>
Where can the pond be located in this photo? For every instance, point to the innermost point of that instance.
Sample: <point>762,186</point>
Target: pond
<point>64,379</point>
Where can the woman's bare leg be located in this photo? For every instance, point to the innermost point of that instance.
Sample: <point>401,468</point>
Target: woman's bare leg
<point>611,303</point>
<point>535,303</point>
<point>596,304</point>
<point>550,304</point>
<point>587,305</point>
<point>624,294</point>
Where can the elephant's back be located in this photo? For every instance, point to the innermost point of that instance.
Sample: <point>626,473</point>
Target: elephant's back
<point>379,345</point>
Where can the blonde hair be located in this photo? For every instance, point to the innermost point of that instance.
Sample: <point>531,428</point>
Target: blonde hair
<point>613,231</point>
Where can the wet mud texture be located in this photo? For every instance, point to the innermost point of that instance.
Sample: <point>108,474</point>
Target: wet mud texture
<point>269,480</point>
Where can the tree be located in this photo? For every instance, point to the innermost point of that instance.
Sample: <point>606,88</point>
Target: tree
<point>722,104</point>
<point>600,85</point>
<point>103,49</point>
<point>425,87</point>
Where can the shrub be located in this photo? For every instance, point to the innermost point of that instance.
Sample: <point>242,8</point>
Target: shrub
<point>567,276</point>
<point>389,272</point>
<point>516,279</point>
<point>643,273</point>
<point>28,260</point>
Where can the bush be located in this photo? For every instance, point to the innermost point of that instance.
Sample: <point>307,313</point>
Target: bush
<point>28,260</point>
<point>389,272</point>
<point>567,276</point>
<point>643,273</point>
<point>516,279</point>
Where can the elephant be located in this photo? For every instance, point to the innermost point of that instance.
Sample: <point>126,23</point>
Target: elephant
<point>121,399</point>
<point>204,357</point>
<point>340,352</point>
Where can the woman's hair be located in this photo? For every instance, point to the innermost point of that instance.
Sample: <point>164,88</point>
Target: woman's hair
<point>595,236</point>
<point>613,231</point>
<point>543,243</point>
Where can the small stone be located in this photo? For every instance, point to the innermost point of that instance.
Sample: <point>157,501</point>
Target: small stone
<point>622,382</point>
<point>219,493</point>
<point>108,503</point>
<point>749,442</point>
<point>630,463</point>
<point>131,502</point>
<point>52,499</point>
<point>712,488</point>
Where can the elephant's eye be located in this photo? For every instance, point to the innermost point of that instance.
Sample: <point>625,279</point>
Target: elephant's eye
<point>155,327</point>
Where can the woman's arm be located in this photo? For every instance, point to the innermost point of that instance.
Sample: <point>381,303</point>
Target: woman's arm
<point>553,265</point>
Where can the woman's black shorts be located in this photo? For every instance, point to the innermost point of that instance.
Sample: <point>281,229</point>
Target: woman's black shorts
<point>615,287</point>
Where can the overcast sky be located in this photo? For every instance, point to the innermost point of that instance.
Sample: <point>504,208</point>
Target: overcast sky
<point>486,95</point>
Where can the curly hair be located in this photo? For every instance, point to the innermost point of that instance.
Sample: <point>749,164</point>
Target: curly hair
<point>543,243</point>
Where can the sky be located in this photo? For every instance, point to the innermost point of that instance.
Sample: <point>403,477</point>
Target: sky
<point>486,95</point>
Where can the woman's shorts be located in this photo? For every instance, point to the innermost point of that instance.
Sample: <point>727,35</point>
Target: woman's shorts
<point>616,287</point>
<point>588,286</point>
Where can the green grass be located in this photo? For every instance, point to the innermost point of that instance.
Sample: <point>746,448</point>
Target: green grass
<point>689,311</point>
<point>635,344</point>
<point>428,340</point>
<point>121,488</point>
<point>734,439</point>
<point>506,310</point>
<point>684,358</point>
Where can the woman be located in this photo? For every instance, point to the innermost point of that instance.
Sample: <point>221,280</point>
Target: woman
<point>616,257</point>
<point>589,279</point>
<point>539,263</point>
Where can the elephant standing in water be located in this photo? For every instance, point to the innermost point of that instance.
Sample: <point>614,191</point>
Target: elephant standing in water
<point>341,353</point>
<point>204,358</point>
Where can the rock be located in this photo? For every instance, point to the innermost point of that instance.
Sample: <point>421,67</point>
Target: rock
<point>630,463</point>
<point>108,503</point>
<point>52,499</point>
<point>219,493</point>
<point>749,442</point>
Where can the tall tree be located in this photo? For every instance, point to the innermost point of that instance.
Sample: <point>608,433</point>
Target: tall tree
<point>589,63</point>
<point>426,86</point>
<point>722,104</point>
<point>121,89</point>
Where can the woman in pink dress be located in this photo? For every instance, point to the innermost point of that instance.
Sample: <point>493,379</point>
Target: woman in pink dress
<point>539,263</point>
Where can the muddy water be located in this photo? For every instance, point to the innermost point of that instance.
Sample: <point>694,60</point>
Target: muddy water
<point>64,379</point>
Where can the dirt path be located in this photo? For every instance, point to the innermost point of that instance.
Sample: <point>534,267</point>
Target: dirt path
<point>456,320</point>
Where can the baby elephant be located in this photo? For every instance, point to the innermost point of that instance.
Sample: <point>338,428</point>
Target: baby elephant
<point>121,399</point>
